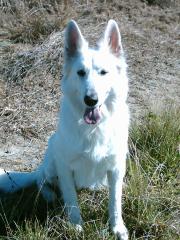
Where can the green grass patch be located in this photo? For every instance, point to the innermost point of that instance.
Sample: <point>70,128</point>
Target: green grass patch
<point>151,196</point>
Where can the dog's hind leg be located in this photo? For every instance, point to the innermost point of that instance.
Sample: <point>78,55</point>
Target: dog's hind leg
<point>46,191</point>
<point>46,185</point>
<point>46,175</point>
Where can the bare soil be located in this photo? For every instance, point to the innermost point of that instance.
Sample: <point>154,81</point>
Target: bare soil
<point>29,103</point>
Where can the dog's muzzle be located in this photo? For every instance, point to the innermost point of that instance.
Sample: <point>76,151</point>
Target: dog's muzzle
<point>92,113</point>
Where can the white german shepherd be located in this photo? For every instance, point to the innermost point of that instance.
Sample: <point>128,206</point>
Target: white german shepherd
<point>90,144</point>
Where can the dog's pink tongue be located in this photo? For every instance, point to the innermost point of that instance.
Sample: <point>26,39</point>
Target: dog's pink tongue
<point>92,115</point>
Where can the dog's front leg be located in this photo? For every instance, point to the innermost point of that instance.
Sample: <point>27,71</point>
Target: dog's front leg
<point>115,180</point>
<point>67,188</point>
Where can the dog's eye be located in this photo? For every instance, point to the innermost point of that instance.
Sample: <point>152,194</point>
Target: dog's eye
<point>103,72</point>
<point>81,73</point>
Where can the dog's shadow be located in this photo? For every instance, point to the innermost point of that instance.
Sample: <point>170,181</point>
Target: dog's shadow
<point>28,206</point>
<point>24,205</point>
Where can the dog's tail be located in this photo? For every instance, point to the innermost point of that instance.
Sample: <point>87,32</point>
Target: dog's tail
<point>12,181</point>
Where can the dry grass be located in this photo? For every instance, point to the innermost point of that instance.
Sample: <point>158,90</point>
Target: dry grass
<point>32,21</point>
<point>46,57</point>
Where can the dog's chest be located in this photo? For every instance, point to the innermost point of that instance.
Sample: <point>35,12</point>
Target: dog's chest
<point>91,163</point>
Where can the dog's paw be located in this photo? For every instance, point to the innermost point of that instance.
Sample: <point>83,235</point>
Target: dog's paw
<point>74,216</point>
<point>78,228</point>
<point>121,232</point>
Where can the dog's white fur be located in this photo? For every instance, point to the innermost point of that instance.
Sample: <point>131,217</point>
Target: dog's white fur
<point>82,155</point>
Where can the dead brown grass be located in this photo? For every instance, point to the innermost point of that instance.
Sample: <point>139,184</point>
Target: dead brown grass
<point>32,21</point>
<point>23,63</point>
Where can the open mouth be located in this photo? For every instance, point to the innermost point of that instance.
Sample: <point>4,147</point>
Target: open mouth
<point>92,115</point>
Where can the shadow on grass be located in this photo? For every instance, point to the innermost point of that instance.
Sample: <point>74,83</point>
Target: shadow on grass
<point>26,204</point>
<point>26,215</point>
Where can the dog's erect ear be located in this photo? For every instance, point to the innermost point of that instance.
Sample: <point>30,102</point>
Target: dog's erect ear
<point>112,38</point>
<point>73,39</point>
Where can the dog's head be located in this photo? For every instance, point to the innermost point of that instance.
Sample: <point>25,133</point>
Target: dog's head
<point>94,79</point>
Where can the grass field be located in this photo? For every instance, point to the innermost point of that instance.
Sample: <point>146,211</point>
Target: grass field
<point>31,47</point>
<point>151,194</point>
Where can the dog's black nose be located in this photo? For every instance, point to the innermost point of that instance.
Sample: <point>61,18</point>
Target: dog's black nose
<point>91,100</point>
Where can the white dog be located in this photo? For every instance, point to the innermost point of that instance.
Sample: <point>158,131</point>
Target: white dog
<point>90,144</point>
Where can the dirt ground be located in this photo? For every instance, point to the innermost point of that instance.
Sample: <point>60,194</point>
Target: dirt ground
<point>29,106</point>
